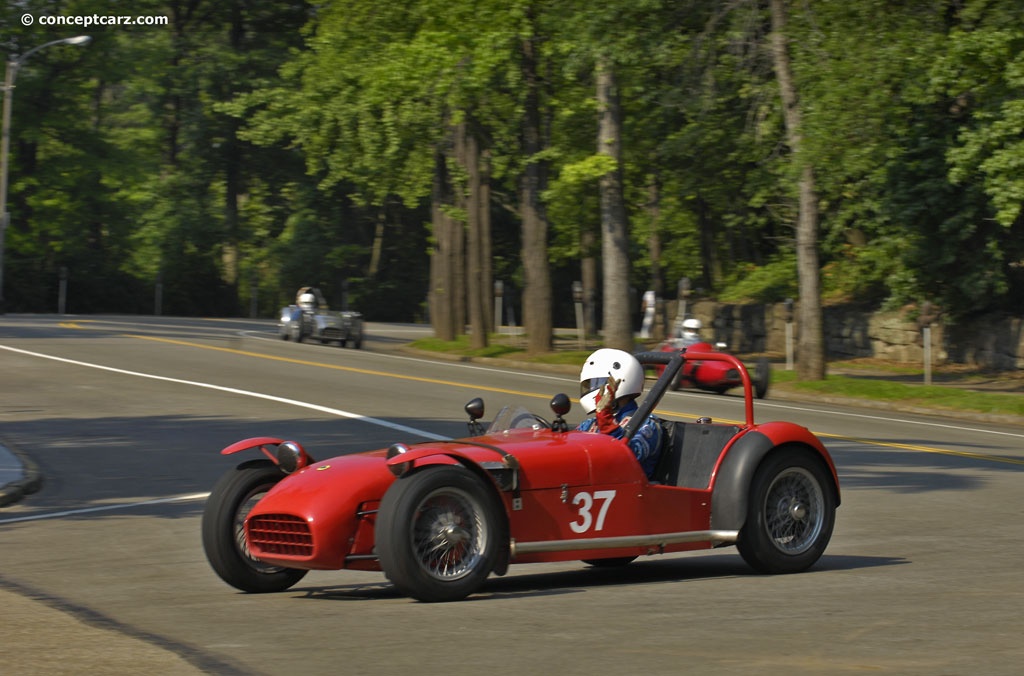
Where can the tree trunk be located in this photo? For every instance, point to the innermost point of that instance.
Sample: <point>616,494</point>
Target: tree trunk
<point>618,331</point>
<point>810,341</point>
<point>377,248</point>
<point>536,269</point>
<point>441,297</point>
<point>486,242</point>
<point>468,155</point>
<point>711,270</point>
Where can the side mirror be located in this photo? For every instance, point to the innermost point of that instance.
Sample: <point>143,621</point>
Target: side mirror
<point>475,411</point>
<point>475,408</point>
<point>560,405</point>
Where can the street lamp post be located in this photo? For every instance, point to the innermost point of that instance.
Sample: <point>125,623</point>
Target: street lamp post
<point>5,141</point>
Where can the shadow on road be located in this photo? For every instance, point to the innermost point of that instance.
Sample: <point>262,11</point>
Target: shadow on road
<point>578,581</point>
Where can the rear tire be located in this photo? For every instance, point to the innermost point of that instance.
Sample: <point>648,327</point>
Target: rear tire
<point>439,533</point>
<point>224,539</point>
<point>791,512</point>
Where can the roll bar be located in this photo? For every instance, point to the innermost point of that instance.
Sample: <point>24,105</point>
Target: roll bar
<point>673,361</point>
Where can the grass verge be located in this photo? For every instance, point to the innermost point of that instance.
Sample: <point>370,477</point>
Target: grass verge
<point>878,388</point>
<point>879,382</point>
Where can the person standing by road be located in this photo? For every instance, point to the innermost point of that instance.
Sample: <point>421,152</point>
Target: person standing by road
<point>648,306</point>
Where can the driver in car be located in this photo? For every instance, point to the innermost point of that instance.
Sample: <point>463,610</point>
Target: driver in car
<point>310,299</point>
<point>610,382</point>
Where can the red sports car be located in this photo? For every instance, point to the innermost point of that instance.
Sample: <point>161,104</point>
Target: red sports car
<point>714,376</point>
<point>439,517</point>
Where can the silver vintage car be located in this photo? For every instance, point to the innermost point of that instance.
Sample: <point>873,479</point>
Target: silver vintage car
<point>310,318</point>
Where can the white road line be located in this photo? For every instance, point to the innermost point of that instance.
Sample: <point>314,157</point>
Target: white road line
<point>106,508</point>
<point>232,390</point>
<point>209,386</point>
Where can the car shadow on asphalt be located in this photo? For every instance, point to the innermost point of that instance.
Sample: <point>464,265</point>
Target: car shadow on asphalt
<point>529,585</point>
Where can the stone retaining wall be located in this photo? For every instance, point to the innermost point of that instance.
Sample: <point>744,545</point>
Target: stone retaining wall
<point>994,342</point>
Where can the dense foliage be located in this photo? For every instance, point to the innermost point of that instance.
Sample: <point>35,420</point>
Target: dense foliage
<point>247,148</point>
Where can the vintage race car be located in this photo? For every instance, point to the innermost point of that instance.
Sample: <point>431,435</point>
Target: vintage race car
<point>715,376</point>
<point>439,517</point>
<point>344,327</point>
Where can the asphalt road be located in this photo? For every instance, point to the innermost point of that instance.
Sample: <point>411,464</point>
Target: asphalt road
<point>102,571</point>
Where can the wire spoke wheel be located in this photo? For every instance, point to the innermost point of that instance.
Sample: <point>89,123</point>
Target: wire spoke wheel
<point>448,534</point>
<point>793,511</point>
<point>790,512</point>
<point>439,533</point>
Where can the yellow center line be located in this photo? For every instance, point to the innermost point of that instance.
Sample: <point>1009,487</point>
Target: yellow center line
<point>477,387</point>
<point>927,449</point>
<point>336,367</point>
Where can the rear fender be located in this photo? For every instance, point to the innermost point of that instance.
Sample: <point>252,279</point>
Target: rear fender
<point>735,472</point>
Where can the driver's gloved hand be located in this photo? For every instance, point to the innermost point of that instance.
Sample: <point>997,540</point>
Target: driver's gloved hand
<point>606,422</point>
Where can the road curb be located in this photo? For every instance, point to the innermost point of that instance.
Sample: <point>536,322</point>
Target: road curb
<point>31,481</point>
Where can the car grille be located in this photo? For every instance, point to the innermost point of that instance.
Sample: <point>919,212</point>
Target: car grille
<point>280,534</point>
<point>333,332</point>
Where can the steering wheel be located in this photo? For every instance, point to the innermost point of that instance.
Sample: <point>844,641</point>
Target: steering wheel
<point>529,420</point>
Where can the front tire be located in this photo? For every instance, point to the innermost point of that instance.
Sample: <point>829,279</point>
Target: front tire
<point>438,533</point>
<point>223,529</point>
<point>790,514</point>
<point>762,377</point>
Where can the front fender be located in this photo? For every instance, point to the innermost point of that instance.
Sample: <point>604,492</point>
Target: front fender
<point>403,462</point>
<point>252,442</point>
<point>731,488</point>
<point>294,458</point>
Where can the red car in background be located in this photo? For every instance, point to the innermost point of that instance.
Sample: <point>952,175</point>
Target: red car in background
<point>439,517</point>
<point>712,376</point>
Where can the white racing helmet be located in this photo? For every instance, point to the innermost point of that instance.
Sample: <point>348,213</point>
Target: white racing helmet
<point>307,299</point>
<point>692,324</point>
<point>608,362</point>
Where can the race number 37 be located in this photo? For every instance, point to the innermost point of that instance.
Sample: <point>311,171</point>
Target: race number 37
<point>587,504</point>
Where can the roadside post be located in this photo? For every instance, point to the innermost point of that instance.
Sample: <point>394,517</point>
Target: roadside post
<point>62,293</point>
<point>158,294</point>
<point>924,321</point>
<point>499,291</point>
<point>684,295</point>
<point>789,333</point>
<point>577,299</point>
<point>254,294</point>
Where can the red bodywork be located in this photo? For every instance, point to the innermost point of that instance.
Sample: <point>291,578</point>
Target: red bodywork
<point>566,495</point>
<point>715,375</point>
